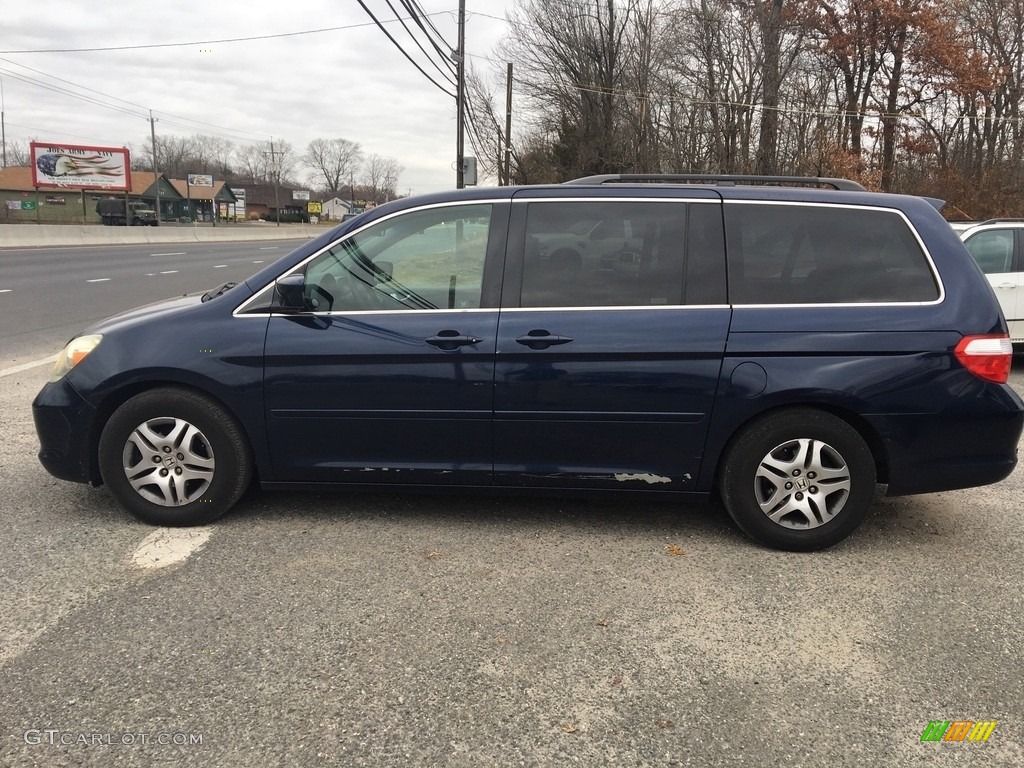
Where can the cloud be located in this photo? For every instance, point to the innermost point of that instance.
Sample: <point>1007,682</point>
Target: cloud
<point>351,83</point>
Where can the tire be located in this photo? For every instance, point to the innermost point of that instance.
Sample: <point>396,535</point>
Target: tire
<point>798,480</point>
<point>173,457</point>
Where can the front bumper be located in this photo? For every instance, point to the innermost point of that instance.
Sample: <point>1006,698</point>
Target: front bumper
<point>64,424</point>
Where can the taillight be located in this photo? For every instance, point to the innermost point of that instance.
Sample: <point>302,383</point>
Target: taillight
<point>987,357</point>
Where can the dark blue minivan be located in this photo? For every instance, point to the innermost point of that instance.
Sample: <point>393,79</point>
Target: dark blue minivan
<point>783,344</point>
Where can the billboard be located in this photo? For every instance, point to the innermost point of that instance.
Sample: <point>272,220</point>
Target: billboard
<point>200,180</point>
<point>69,165</point>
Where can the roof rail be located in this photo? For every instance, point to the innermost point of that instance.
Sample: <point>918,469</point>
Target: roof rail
<point>1007,220</point>
<point>719,180</point>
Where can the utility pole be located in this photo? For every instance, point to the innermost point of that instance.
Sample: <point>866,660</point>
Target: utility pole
<point>156,167</point>
<point>460,97</point>
<point>277,178</point>
<point>3,124</point>
<point>508,127</point>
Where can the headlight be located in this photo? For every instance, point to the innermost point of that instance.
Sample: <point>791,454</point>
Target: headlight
<point>75,352</point>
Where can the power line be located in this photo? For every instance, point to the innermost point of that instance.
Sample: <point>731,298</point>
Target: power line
<point>414,10</point>
<point>227,132</point>
<point>38,129</point>
<point>444,74</point>
<point>76,85</point>
<point>402,50</point>
<point>64,91</point>
<point>193,128</point>
<point>198,42</point>
<point>417,10</point>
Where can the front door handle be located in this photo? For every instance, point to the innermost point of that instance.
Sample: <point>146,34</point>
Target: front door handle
<point>541,339</point>
<point>450,340</point>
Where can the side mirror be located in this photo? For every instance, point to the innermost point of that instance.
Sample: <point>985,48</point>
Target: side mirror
<point>290,293</point>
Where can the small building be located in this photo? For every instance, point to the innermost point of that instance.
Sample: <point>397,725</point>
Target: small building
<point>20,202</point>
<point>262,202</point>
<point>336,208</point>
<point>199,202</point>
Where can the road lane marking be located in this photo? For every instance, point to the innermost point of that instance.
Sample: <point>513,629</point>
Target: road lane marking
<point>257,262</point>
<point>5,290</point>
<point>170,272</point>
<point>99,280</point>
<point>219,266</point>
<point>269,247</point>
<point>169,546</point>
<point>26,366</point>
<point>172,253</point>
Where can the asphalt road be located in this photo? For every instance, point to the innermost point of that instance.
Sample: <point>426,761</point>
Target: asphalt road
<point>393,630</point>
<point>48,294</point>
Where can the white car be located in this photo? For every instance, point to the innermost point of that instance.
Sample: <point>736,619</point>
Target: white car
<point>998,247</point>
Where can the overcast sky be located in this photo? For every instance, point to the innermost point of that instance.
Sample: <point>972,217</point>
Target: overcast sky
<point>350,83</point>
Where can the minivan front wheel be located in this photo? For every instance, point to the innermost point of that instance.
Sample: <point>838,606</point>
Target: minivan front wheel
<point>173,457</point>
<point>798,480</point>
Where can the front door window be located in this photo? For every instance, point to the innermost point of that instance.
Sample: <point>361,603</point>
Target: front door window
<point>425,260</point>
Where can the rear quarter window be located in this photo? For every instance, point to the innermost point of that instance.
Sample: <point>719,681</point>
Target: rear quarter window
<point>992,249</point>
<point>822,254</point>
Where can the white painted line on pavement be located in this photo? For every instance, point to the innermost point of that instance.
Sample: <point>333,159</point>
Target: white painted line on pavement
<point>5,290</point>
<point>257,262</point>
<point>169,546</point>
<point>99,280</point>
<point>219,266</point>
<point>26,366</point>
<point>170,272</point>
<point>172,253</point>
<point>269,247</point>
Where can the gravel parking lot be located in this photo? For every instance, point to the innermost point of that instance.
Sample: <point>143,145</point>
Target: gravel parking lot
<point>401,630</point>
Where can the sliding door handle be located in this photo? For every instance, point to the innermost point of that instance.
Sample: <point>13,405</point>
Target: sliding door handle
<point>541,339</point>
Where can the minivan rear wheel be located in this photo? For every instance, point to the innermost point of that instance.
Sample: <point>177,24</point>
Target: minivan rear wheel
<point>174,457</point>
<point>798,480</point>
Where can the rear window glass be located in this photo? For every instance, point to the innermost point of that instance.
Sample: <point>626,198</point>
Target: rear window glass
<point>803,254</point>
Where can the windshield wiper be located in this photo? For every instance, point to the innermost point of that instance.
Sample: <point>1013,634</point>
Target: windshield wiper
<point>222,288</point>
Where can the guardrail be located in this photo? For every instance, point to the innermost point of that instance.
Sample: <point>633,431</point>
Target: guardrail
<point>45,235</point>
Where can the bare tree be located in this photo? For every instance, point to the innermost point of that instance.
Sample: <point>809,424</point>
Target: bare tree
<point>17,153</point>
<point>262,161</point>
<point>571,57</point>
<point>254,163</point>
<point>222,154</point>
<point>770,22</point>
<point>910,95</point>
<point>333,162</point>
<point>381,174</point>
<point>486,130</point>
<point>283,160</point>
<point>175,156</point>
